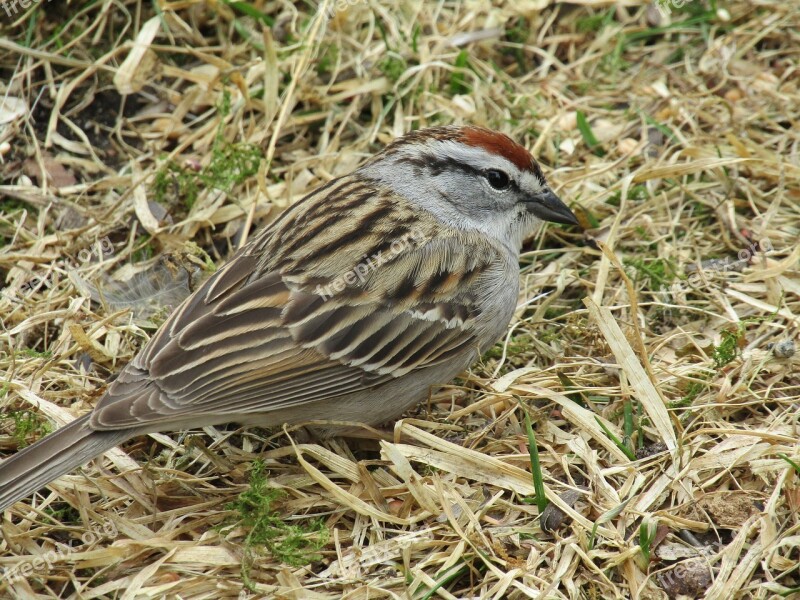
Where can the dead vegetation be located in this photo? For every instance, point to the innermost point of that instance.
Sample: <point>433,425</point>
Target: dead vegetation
<point>142,142</point>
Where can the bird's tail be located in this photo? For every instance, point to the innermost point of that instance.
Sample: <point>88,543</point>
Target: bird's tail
<point>54,455</point>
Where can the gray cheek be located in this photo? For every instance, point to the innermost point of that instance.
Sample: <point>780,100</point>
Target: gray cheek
<point>465,193</point>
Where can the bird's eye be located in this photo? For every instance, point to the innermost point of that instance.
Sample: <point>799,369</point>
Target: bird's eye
<point>497,179</point>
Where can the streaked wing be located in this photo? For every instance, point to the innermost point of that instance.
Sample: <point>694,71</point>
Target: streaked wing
<point>261,333</point>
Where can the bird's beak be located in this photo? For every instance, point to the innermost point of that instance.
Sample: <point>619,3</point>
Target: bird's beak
<point>549,207</point>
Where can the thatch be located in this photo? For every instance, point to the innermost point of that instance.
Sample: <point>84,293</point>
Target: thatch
<point>140,143</point>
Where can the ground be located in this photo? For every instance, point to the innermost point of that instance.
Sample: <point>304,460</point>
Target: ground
<point>653,350</point>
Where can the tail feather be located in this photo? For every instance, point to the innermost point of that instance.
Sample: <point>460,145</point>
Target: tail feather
<point>54,455</point>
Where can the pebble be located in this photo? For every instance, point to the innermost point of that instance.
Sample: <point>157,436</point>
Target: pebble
<point>784,349</point>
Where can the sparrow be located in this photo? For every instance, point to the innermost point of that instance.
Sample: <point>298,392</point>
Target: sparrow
<point>350,306</point>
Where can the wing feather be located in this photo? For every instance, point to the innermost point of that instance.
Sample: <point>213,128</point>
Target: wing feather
<point>263,333</point>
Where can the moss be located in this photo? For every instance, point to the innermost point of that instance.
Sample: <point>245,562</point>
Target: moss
<point>230,165</point>
<point>295,545</point>
<point>26,425</point>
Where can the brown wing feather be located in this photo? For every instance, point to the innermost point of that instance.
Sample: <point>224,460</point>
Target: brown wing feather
<point>259,336</point>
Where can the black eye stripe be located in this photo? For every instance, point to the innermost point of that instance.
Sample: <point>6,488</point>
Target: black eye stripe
<point>436,165</point>
<point>537,172</point>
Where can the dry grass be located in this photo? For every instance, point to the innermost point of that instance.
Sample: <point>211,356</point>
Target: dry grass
<point>696,122</point>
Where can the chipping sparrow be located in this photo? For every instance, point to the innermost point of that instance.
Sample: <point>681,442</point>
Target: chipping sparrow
<point>350,306</point>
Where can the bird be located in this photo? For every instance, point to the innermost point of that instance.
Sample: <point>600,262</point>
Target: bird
<point>349,306</point>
